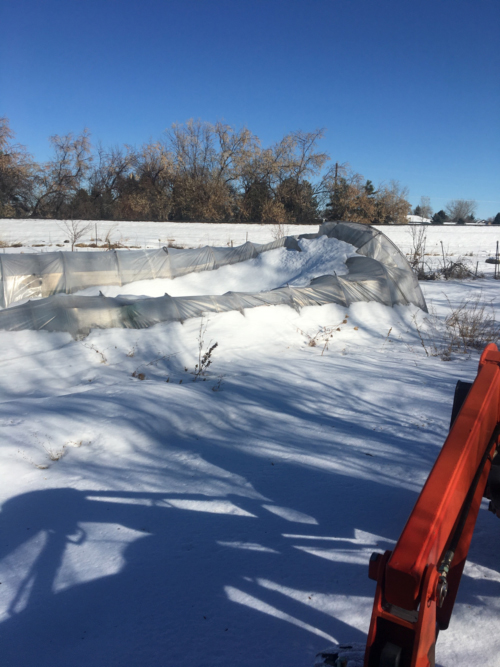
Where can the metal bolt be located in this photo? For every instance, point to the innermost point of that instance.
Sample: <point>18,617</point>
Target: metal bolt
<point>442,591</point>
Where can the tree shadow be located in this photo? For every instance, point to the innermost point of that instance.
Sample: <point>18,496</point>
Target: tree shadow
<point>204,581</point>
<point>199,579</point>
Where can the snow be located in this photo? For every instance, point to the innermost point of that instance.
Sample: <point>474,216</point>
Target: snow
<point>44,235</point>
<point>471,243</point>
<point>271,269</point>
<point>227,520</point>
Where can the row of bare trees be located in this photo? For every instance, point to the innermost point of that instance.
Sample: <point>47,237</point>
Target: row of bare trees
<point>197,171</point>
<point>460,211</point>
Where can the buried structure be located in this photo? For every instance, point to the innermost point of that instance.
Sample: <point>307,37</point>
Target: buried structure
<point>379,272</point>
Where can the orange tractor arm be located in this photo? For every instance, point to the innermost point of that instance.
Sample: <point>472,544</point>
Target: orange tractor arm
<point>418,581</point>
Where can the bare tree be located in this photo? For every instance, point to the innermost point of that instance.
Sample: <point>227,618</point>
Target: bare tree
<point>110,169</point>
<point>60,178</point>
<point>273,182</point>
<point>75,229</point>
<point>392,205</point>
<point>461,209</point>
<point>197,171</point>
<point>16,175</point>
<point>205,159</point>
<point>147,195</point>
<point>425,207</point>
<point>235,149</point>
<point>350,197</point>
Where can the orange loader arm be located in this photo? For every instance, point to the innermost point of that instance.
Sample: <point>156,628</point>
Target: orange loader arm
<point>417,583</point>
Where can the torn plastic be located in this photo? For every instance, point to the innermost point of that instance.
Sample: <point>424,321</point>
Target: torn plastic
<point>29,276</point>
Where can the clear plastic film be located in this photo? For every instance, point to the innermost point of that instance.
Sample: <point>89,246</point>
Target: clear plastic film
<point>381,273</point>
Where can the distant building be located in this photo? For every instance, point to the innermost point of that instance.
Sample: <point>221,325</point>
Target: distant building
<point>418,220</point>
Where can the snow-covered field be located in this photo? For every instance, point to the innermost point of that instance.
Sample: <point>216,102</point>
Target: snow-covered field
<point>44,235</point>
<point>226,521</point>
<point>473,243</point>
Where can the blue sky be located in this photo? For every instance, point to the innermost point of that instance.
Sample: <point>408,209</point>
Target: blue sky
<point>406,90</point>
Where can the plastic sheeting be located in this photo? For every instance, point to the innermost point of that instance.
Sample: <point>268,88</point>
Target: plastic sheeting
<point>34,276</point>
<point>380,274</point>
<point>371,242</point>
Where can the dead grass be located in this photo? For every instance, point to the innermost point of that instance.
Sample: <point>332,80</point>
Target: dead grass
<point>471,326</point>
<point>447,268</point>
<point>54,454</point>
<point>140,374</point>
<point>468,327</point>
<point>171,243</point>
<point>324,335</point>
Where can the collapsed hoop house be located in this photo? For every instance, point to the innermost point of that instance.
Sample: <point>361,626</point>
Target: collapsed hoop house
<point>380,273</point>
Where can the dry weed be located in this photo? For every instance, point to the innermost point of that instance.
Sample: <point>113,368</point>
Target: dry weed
<point>418,235</point>
<point>324,335</point>
<point>54,454</point>
<point>172,244</point>
<point>471,326</point>
<point>94,349</point>
<point>279,230</point>
<point>468,327</point>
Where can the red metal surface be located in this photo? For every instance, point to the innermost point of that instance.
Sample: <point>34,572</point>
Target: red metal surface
<point>405,610</point>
